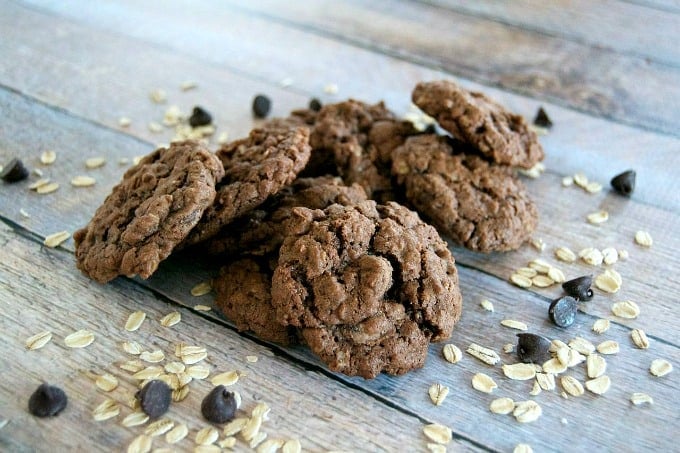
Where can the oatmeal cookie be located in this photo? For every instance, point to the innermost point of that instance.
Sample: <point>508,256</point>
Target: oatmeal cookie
<point>149,212</point>
<point>472,117</point>
<point>262,230</point>
<point>368,285</point>
<point>255,168</point>
<point>243,294</point>
<point>482,206</point>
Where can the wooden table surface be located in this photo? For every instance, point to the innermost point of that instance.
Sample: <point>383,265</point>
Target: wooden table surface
<point>608,74</point>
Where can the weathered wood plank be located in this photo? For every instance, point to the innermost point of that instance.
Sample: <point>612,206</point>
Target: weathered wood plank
<point>589,79</point>
<point>124,70</point>
<point>612,24</point>
<point>670,6</point>
<point>41,291</point>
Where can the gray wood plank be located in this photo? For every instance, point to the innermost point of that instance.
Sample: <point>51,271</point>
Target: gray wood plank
<point>106,75</point>
<point>623,27</point>
<point>589,79</point>
<point>40,291</point>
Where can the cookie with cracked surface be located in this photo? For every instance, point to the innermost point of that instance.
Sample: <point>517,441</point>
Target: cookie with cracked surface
<point>368,285</point>
<point>149,212</point>
<point>262,230</point>
<point>356,135</point>
<point>243,294</point>
<point>255,168</point>
<point>500,135</point>
<point>482,206</point>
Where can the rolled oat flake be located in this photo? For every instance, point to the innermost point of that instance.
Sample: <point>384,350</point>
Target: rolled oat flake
<point>624,183</point>
<point>562,311</point>
<point>219,406</point>
<point>532,348</point>
<point>47,401</point>
<point>154,398</point>
<point>579,288</point>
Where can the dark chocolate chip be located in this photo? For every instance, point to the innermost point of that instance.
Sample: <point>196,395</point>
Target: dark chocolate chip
<point>532,348</point>
<point>261,106</point>
<point>542,119</point>
<point>624,183</point>
<point>219,406</point>
<point>562,311</point>
<point>14,171</point>
<point>315,104</point>
<point>199,117</point>
<point>154,398</point>
<point>47,401</point>
<point>579,288</point>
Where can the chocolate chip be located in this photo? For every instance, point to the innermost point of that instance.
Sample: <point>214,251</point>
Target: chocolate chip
<point>219,406</point>
<point>261,106</point>
<point>532,348</point>
<point>154,398</point>
<point>47,401</point>
<point>542,120</point>
<point>315,104</point>
<point>14,171</point>
<point>562,311</point>
<point>199,117</point>
<point>579,288</point>
<point>624,183</point>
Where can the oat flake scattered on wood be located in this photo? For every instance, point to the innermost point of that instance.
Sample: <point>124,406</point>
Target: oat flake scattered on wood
<point>153,356</point>
<point>641,398</point>
<point>252,358</point>
<point>107,382</point>
<point>132,366</point>
<point>135,419</point>
<point>251,428</point>
<point>601,326</point>
<point>191,358</point>
<point>599,385</point>
<point>540,265</point>
<point>132,347</point>
<point>83,181</point>
<point>38,340</point>
<point>95,162</point>
<point>527,272</point>
<point>39,183</point>
<point>47,188</point>
<point>660,367</point>
<point>171,319</point>
<point>643,238</point>
<point>546,381</point>
<point>438,393</point>
<point>438,433</point>
<point>639,338</point>
<point>106,410</point>
<point>56,239</point>
<point>235,426</point>
<point>596,365</point>
<point>542,281</point>
<point>608,347</point>
<point>610,256</point>
<point>591,256</point>
<point>177,433</point>
<point>135,321</point>
<point>181,393</point>
<point>582,345</point>
<point>140,444</point>
<point>227,378</point>
<point>151,372</point>
<point>508,348</point>
<point>48,157</point>
<point>79,339</point>
<point>198,371</point>
<point>202,307</point>
<point>159,427</point>
<point>527,411</point>
<point>502,406</point>
<point>201,289</point>
<point>208,449</point>
<point>626,309</point>
<point>522,448</point>
<point>207,436</point>
<point>486,355</point>
<point>567,181</point>
<point>554,366</point>
<point>556,275</point>
<point>483,383</point>
<point>610,281</point>
<point>436,448</point>
<point>519,371</point>
<point>291,446</point>
<point>520,280</point>
<point>511,323</point>
<point>486,305</point>
<point>565,254</point>
<point>572,386</point>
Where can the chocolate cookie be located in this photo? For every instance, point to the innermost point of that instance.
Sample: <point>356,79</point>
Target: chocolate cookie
<point>500,135</point>
<point>480,205</point>
<point>262,230</point>
<point>368,285</point>
<point>149,212</point>
<point>344,131</point>
<point>243,293</point>
<point>255,168</point>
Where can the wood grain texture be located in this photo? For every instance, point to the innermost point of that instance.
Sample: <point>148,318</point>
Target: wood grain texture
<point>321,412</point>
<point>86,56</point>
<point>616,25</point>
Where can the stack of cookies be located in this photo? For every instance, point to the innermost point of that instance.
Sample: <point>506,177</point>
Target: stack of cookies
<point>308,216</point>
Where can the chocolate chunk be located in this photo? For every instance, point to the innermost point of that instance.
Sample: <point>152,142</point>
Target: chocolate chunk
<point>315,104</point>
<point>199,117</point>
<point>47,401</point>
<point>562,311</point>
<point>219,406</point>
<point>542,119</point>
<point>261,106</point>
<point>624,183</point>
<point>579,288</point>
<point>14,171</point>
<point>532,348</point>
<point>154,398</point>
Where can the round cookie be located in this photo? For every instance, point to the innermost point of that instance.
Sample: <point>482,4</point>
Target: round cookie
<point>149,212</point>
<point>499,134</point>
<point>262,230</point>
<point>482,206</point>
<point>343,130</point>
<point>255,168</point>
<point>368,285</point>
<point>243,294</point>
